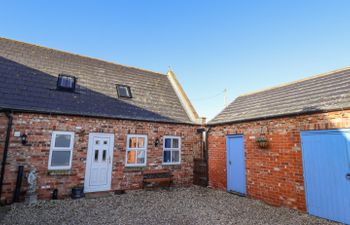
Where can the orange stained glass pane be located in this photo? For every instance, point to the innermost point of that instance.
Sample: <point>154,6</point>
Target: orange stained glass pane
<point>141,142</point>
<point>132,142</point>
<point>131,157</point>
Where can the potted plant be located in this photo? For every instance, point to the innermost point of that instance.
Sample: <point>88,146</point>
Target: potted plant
<point>77,192</point>
<point>262,141</point>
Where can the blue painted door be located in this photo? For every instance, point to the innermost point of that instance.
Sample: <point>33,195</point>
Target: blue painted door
<point>326,168</point>
<point>235,161</point>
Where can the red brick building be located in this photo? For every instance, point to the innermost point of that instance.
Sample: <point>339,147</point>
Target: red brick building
<point>80,121</point>
<point>278,145</point>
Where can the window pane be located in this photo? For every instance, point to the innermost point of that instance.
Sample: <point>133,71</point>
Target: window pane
<point>175,156</point>
<point>60,158</point>
<point>123,91</point>
<point>96,155</point>
<point>167,143</point>
<point>131,157</point>
<point>132,142</point>
<point>175,143</point>
<point>141,142</point>
<point>166,156</point>
<point>62,140</point>
<point>141,157</point>
<point>66,82</point>
<point>104,154</point>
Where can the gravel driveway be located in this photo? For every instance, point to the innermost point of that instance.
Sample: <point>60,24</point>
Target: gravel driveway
<point>193,205</point>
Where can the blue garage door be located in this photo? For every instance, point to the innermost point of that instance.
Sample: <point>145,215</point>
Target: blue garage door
<point>236,180</point>
<point>327,173</point>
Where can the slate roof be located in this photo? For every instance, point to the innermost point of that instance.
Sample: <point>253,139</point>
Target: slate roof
<point>28,76</point>
<point>326,92</point>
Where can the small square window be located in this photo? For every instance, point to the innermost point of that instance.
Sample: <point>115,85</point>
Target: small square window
<point>66,82</point>
<point>124,91</point>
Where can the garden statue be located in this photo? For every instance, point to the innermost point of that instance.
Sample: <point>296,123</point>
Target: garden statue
<point>31,196</point>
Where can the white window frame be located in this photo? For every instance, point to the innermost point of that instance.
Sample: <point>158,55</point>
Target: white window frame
<point>53,148</point>
<point>171,149</point>
<point>129,136</point>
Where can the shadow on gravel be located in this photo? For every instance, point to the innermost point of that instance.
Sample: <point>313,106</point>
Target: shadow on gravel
<point>3,211</point>
<point>194,205</point>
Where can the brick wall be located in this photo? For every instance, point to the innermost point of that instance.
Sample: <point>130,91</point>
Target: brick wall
<point>39,128</point>
<point>3,127</point>
<point>275,174</point>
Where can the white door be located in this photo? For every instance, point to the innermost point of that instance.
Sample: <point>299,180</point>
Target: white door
<point>98,173</point>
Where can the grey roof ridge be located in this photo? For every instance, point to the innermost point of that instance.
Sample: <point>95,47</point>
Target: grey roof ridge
<point>296,81</point>
<point>274,87</point>
<point>87,57</point>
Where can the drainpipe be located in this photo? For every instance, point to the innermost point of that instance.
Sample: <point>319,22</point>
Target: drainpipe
<point>206,152</point>
<point>206,133</point>
<point>6,147</point>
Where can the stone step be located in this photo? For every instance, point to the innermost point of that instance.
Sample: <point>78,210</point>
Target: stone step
<point>98,194</point>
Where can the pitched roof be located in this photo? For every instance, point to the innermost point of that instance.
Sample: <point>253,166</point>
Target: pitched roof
<point>28,76</point>
<point>325,92</point>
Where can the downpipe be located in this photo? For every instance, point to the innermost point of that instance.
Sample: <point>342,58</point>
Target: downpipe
<point>6,148</point>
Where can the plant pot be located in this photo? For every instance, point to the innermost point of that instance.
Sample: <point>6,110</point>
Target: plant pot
<point>262,141</point>
<point>77,192</point>
<point>263,144</point>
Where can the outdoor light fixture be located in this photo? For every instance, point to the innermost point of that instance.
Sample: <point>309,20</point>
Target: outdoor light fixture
<point>24,139</point>
<point>156,142</point>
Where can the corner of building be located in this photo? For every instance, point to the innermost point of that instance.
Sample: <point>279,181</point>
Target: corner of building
<point>186,103</point>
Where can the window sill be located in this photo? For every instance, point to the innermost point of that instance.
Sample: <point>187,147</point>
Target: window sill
<point>134,168</point>
<point>67,172</point>
<point>171,164</point>
<point>135,165</point>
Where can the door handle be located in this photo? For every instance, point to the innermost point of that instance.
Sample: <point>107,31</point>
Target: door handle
<point>347,176</point>
<point>229,162</point>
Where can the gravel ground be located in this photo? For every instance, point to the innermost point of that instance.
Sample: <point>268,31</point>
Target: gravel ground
<point>193,205</point>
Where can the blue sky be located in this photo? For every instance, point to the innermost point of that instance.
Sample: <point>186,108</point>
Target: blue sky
<point>211,45</point>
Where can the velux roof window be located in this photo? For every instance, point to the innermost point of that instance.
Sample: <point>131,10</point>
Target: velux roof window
<point>66,82</point>
<point>124,91</point>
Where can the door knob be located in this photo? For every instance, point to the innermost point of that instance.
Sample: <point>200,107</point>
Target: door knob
<point>347,176</point>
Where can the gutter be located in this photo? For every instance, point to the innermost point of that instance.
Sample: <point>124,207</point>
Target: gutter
<point>6,147</point>
<point>34,111</point>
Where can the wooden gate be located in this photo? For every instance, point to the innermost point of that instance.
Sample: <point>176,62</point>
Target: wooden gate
<point>200,172</point>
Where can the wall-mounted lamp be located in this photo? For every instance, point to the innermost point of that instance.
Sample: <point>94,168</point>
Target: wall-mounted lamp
<point>24,139</point>
<point>156,142</point>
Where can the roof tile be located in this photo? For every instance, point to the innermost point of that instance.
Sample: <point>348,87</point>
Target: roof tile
<point>28,75</point>
<point>321,93</point>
